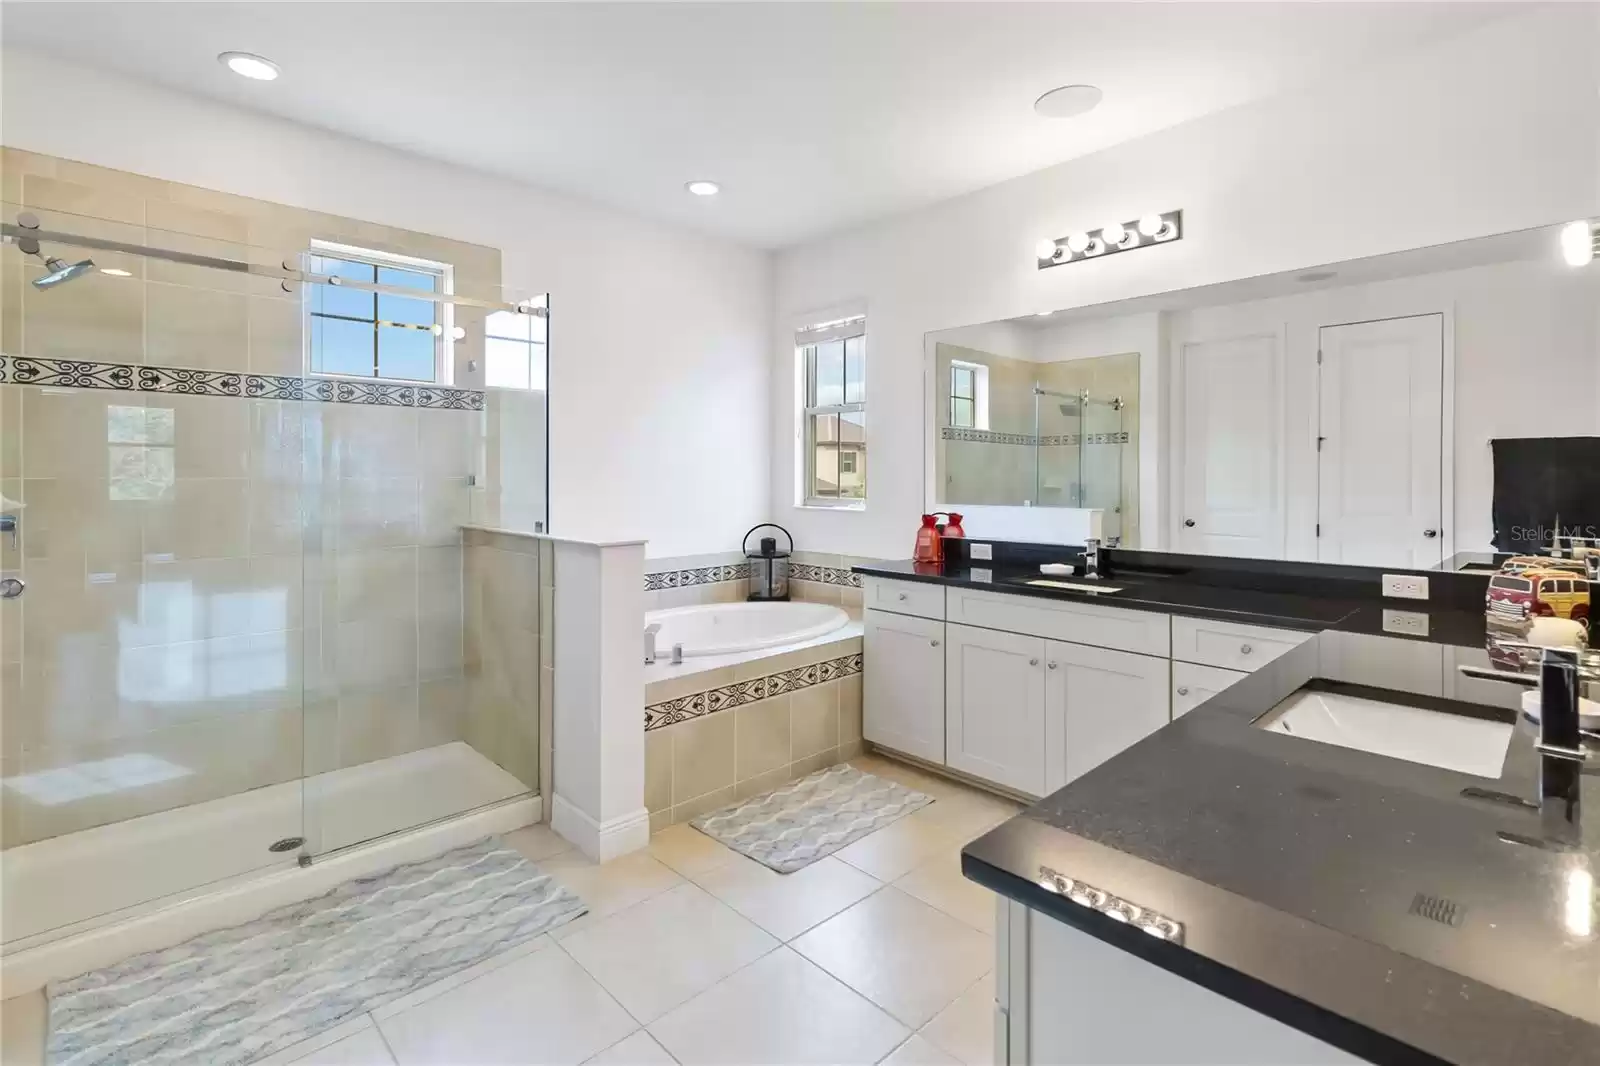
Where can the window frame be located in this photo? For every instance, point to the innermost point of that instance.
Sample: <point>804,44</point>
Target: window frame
<point>807,340</point>
<point>444,311</point>
<point>538,307</point>
<point>979,375</point>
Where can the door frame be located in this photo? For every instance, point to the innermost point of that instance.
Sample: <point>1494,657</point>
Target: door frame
<point>1178,428</point>
<point>1447,417</point>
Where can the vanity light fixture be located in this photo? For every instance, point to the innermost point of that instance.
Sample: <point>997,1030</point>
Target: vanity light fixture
<point>249,65</point>
<point>703,188</point>
<point>1578,240</point>
<point>1114,237</point>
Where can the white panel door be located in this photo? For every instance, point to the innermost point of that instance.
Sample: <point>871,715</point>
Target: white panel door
<point>1381,420</point>
<point>1232,448</point>
<point>902,688</point>
<point>1099,703</point>
<point>994,716</point>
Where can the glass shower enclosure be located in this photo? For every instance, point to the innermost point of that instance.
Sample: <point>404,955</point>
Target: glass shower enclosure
<point>239,443</point>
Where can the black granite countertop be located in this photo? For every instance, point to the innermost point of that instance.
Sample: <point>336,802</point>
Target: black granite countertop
<point>1181,594</point>
<point>1404,913</point>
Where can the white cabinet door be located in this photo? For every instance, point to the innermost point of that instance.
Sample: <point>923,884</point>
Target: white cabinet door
<point>1380,485</point>
<point>1231,410</point>
<point>1192,685</point>
<point>1100,701</point>
<point>902,689</point>
<point>994,718</point>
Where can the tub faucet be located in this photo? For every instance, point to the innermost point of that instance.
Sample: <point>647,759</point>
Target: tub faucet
<point>650,632</point>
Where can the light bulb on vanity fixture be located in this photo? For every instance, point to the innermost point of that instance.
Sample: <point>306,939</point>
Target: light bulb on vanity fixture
<point>1078,242</point>
<point>1046,250</point>
<point>1577,243</point>
<point>1114,234</point>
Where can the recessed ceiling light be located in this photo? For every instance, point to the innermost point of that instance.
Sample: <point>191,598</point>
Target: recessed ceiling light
<point>113,272</point>
<point>1068,101</point>
<point>703,188</point>
<point>250,66</point>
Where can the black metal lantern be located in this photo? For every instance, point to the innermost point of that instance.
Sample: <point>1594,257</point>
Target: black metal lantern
<point>769,567</point>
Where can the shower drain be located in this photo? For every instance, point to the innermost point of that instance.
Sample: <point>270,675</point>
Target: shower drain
<point>288,844</point>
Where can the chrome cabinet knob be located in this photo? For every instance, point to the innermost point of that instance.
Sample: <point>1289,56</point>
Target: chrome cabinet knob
<point>1183,690</point>
<point>902,597</point>
<point>933,643</point>
<point>1430,533</point>
<point>1051,664</point>
<point>1188,523</point>
<point>1244,649</point>
<point>11,588</point>
<point>1033,662</point>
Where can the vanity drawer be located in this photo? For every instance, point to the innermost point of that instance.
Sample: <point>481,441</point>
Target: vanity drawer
<point>1192,685</point>
<point>1143,632</point>
<point>1230,645</point>
<point>902,597</point>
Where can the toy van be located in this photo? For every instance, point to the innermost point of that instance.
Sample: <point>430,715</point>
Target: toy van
<point>1543,592</point>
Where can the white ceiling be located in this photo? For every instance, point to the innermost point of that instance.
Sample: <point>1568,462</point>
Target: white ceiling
<point>813,116</point>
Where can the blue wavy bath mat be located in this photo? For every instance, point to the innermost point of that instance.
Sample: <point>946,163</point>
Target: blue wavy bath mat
<point>236,995</point>
<point>794,826</point>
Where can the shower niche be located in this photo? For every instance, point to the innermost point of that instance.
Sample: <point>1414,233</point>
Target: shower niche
<point>1025,417</point>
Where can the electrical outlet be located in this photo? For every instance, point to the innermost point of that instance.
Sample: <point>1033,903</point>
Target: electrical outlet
<point>1406,623</point>
<point>980,551</point>
<point>1405,586</point>
<point>981,573</point>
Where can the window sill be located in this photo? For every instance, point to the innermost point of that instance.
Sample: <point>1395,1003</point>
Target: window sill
<point>815,505</point>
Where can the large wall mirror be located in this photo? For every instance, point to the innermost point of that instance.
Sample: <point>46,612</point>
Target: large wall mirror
<point>1394,410</point>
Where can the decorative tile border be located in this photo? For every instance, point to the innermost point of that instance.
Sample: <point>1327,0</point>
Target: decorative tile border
<point>700,575</point>
<point>184,381</point>
<point>1049,440</point>
<point>726,697</point>
<point>826,575</point>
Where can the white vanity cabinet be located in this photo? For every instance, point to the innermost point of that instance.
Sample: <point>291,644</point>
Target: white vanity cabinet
<point>1030,692</point>
<point>1192,685</point>
<point>995,707</point>
<point>902,691</point>
<point>1099,701</point>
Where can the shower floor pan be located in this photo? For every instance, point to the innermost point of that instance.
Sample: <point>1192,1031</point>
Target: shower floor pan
<point>95,877</point>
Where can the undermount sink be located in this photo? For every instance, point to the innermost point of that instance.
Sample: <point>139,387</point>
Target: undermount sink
<point>1432,738</point>
<point>1072,586</point>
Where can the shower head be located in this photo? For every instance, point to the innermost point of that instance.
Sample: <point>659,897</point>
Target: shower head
<point>61,272</point>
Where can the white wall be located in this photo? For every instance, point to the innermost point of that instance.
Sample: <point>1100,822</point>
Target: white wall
<point>659,338</point>
<point>1489,132</point>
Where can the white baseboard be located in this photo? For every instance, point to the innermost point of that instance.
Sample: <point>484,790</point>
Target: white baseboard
<point>601,842</point>
<point>32,968</point>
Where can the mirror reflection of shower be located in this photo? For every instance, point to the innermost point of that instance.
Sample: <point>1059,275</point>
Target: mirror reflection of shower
<point>1066,472</point>
<point>59,271</point>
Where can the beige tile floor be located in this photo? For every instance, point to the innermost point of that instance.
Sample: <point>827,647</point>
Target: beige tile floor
<point>693,953</point>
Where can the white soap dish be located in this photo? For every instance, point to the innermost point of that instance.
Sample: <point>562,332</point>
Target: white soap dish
<point>1056,569</point>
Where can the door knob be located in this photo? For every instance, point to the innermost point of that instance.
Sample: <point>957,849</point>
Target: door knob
<point>1189,522</point>
<point>1430,533</point>
<point>11,588</point>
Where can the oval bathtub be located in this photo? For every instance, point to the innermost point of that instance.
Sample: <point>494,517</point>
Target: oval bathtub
<point>725,628</point>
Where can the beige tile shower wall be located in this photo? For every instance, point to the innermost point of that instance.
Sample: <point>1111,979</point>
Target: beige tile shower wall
<point>178,641</point>
<point>509,605</point>
<point>714,760</point>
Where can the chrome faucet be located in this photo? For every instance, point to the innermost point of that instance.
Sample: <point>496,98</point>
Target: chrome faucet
<point>1091,557</point>
<point>1562,672</point>
<point>650,632</point>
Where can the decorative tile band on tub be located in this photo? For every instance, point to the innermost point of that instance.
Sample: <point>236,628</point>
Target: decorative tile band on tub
<point>700,575</point>
<point>187,381</point>
<point>726,697</point>
<point>826,575</point>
